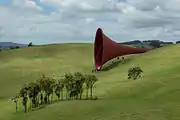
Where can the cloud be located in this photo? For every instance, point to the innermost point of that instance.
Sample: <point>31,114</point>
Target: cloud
<point>77,20</point>
<point>26,4</point>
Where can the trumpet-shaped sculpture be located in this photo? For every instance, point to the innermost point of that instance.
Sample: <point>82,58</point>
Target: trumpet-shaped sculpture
<point>106,49</point>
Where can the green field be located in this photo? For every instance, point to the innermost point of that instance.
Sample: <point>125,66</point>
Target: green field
<point>155,96</point>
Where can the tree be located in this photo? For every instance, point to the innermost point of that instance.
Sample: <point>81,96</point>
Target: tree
<point>79,81</point>
<point>134,73</point>
<point>47,85</point>
<point>42,83</point>
<point>91,79</point>
<point>155,43</point>
<point>23,93</point>
<point>30,44</point>
<point>41,92</point>
<point>62,89</point>
<point>52,87</point>
<point>14,47</point>
<point>33,91</point>
<point>59,89</point>
<point>15,100</point>
<point>11,47</point>
<point>17,47</point>
<point>87,83</point>
<point>68,83</point>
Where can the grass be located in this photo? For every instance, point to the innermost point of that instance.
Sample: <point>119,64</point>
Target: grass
<point>155,96</point>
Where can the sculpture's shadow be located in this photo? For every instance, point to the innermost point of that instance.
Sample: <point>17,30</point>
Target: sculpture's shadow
<point>114,63</point>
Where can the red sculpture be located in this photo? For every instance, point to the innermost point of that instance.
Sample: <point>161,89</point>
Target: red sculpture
<point>106,49</point>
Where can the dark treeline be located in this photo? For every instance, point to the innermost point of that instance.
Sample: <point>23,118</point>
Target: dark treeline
<point>14,47</point>
<point>11,46</point>
<point>145,41</point>
<point>177,42</point>
<point>42,92</point>
<point>131,42</point>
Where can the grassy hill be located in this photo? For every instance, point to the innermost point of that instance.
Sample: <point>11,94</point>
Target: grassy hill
<point>155,96</point>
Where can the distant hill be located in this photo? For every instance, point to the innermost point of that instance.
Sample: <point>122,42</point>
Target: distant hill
<point>5,45</point>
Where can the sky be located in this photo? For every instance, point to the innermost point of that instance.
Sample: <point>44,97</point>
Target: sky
<point>64,21</point>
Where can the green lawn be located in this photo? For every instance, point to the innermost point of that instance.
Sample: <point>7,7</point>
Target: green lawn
<point>155,96</point>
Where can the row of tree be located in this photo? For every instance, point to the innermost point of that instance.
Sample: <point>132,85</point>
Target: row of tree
<point>14,47</point>
<point>42,92</point>
<point>177,42</point>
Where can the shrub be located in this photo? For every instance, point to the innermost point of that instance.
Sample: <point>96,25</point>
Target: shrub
<point>11,47</point>
<point>30,44</point>
<point>134,73</point>
<point>17,47</point>
<point>14,47</point>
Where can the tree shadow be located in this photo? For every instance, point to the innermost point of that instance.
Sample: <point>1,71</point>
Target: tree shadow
<point>37,108</point>
<point>94,98</point>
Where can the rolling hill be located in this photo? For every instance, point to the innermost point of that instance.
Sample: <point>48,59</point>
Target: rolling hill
<point>155,96</point>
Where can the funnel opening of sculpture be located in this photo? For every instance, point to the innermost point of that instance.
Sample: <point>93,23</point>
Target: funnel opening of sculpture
<point>98,49</point>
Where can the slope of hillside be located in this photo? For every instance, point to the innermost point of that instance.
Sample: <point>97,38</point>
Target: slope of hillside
<point>153,97</point>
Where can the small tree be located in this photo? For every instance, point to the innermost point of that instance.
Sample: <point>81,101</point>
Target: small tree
<point>33,91</point>
<point>68,83</point>
<point>30,44</point>
<point>155,43</point>
<point>17,47</point>
<point>24,94</point>
<point>15,100</point>
<point>59,89</point>
<point>87,83</point>
<point>90,81</point>
<point>47,85</point>
<point>11,47</point>
<point>134,73</point>
<point>79,81</point>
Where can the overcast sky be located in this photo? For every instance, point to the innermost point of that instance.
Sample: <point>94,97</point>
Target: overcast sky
<point>57,21</point>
